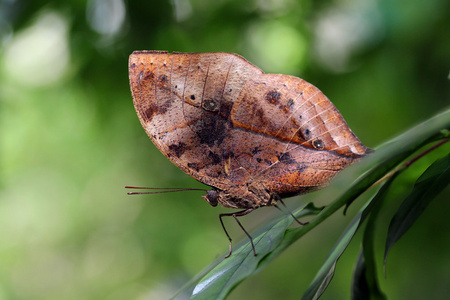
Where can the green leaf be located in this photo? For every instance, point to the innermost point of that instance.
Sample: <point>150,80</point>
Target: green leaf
<point>365,283</point>
<point>395,151</point>
<point>189,286</point>
<point>326,272</point>
<point>360,287</point>
<point>426,188</point>
<point>242,263</point>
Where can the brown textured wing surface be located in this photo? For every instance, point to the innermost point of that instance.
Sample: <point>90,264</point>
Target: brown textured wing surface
<point>299,140</point>
<point>183,101</point>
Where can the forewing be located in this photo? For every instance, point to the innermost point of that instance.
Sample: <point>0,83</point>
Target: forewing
<point>183,101</point>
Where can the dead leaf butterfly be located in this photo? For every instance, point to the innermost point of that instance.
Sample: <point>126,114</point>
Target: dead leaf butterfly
<point>253,137</point>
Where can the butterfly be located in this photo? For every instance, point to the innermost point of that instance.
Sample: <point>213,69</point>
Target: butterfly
<point>253,137</point>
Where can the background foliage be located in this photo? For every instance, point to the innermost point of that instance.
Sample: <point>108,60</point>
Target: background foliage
<point>70,141</point>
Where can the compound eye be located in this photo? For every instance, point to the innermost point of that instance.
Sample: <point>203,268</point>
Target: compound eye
<point>211,197</point>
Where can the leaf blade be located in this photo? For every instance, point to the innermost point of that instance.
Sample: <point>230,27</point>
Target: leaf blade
<point>231,271</point>
<point>426,188</point>
<point>364,281</point>
<point>326,272</point>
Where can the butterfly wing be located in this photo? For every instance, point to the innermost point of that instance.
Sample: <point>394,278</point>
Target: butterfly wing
<point>224,122</point>
<point>300,140</point>
<point>183,101</point>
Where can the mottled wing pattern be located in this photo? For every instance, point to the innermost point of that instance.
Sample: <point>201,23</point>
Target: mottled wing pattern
<point>183,101</point>
<point>224,122</point>
<point>299,141</point>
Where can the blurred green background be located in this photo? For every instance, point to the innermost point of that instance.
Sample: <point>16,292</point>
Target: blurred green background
<point>70,141</point>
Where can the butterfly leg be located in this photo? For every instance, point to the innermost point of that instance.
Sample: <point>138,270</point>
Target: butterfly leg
<point>235,215</point>
<point>282,202</point>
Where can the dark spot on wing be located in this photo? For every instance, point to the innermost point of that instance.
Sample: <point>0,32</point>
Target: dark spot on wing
<point>273,97</point>
<point>256,150</point>
<point>268,162</point>
<point>307,133</point>
<point>303,134</point>
<point>260,114</point>
<point>300,135</point>
<point>150,111</point>
<point>216,158</point>
<point>193,166</point>
<point>212,129</point>
<point>177,149</point>
<point>163,78</point>
<point>288,106</point>
<point>225,109</point>
<point>149,75</point>
<point>287,158</point>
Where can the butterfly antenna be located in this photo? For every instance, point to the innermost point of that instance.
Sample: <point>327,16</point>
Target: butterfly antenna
<point>159,190</point>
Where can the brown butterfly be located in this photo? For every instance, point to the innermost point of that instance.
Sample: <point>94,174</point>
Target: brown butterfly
<point>253,137</point>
